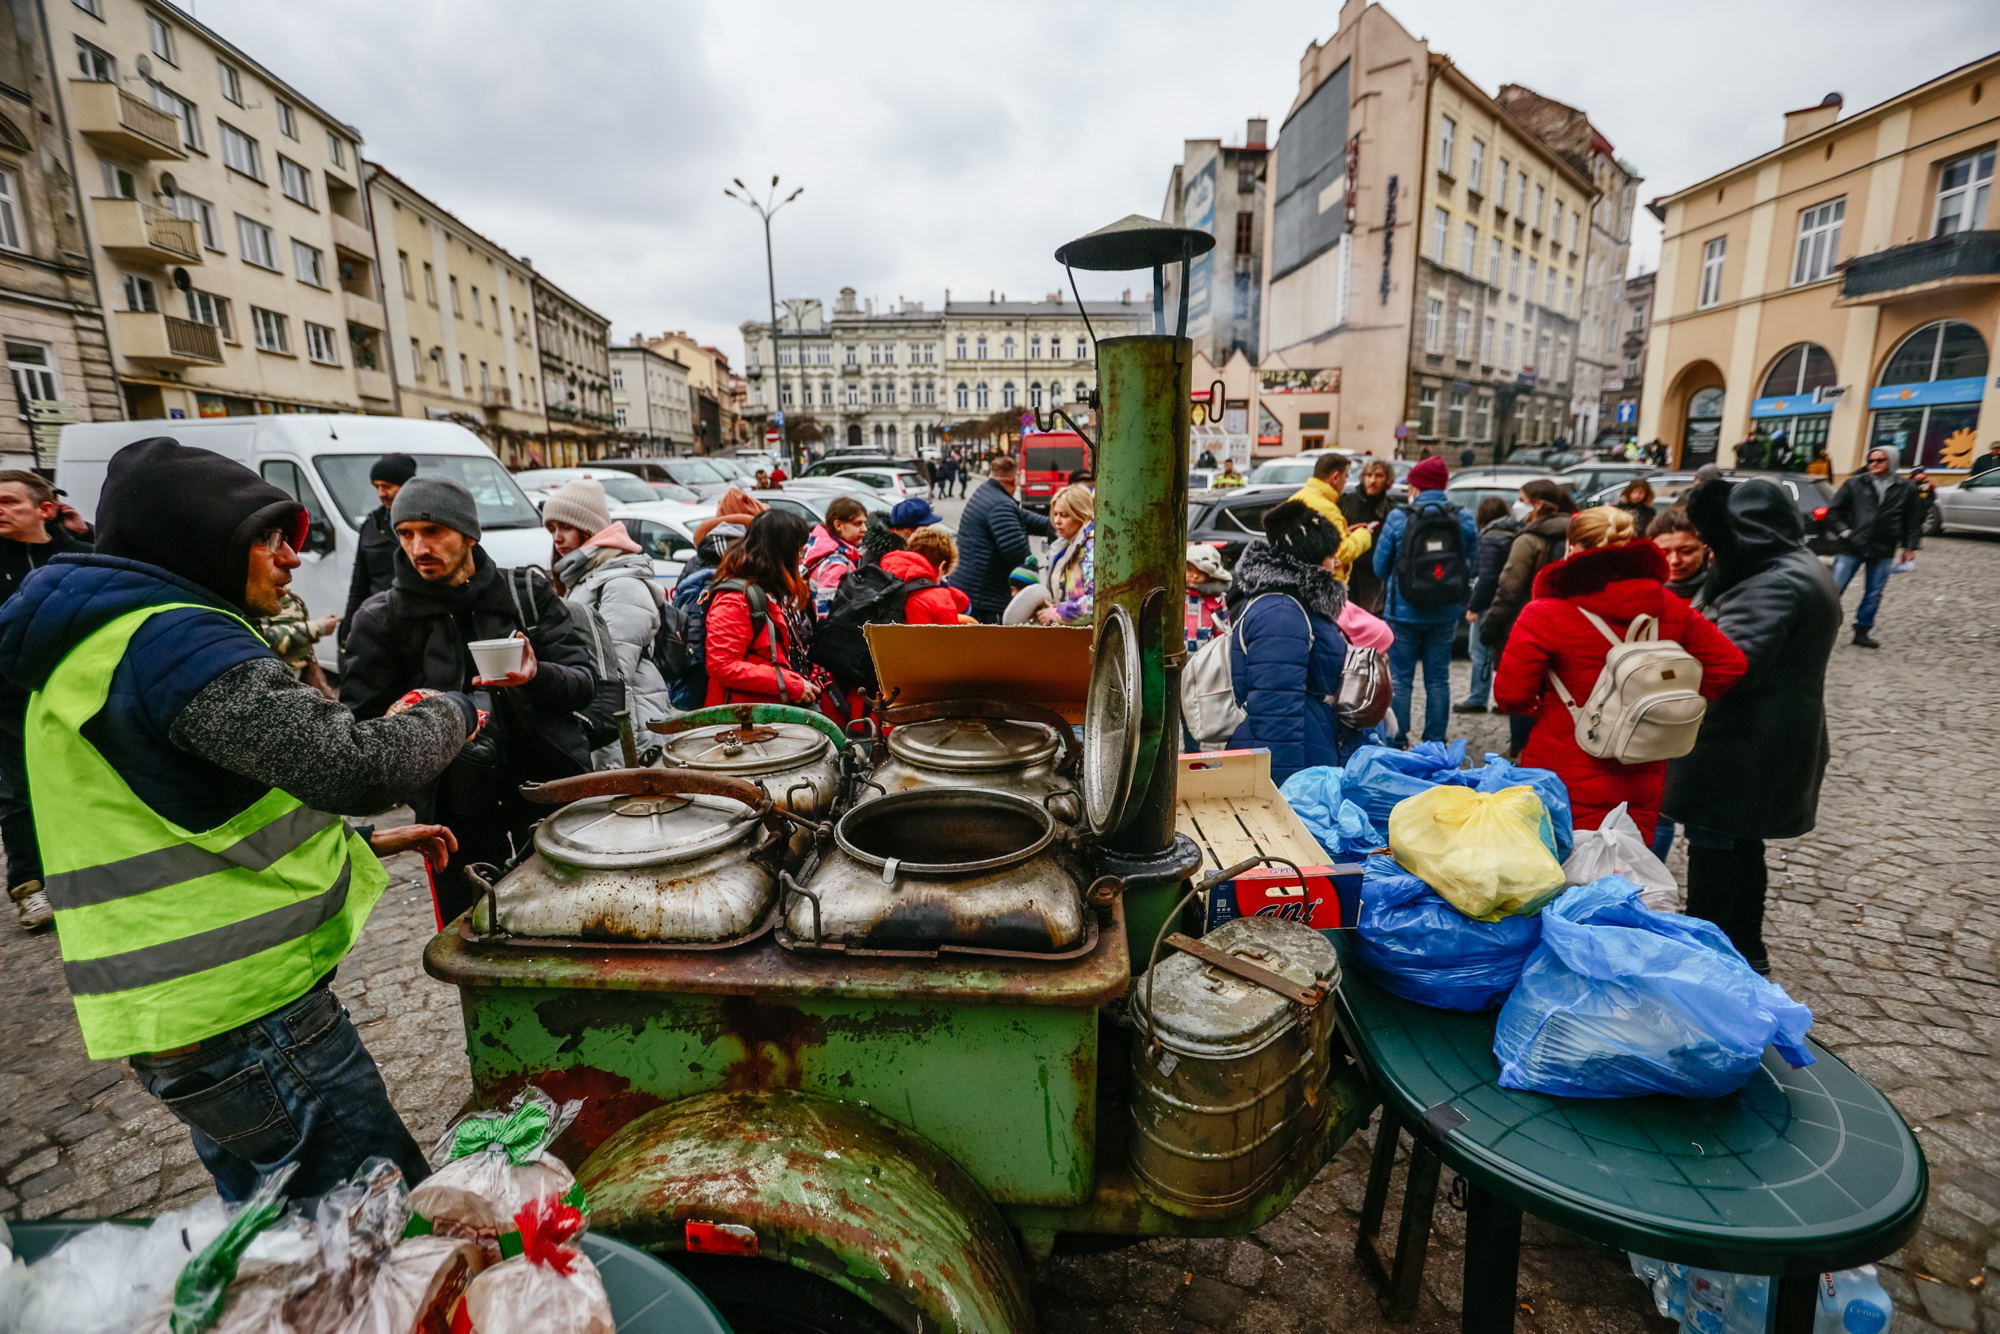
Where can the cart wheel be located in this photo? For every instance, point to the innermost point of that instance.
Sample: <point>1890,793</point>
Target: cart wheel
<point>765,1297</point>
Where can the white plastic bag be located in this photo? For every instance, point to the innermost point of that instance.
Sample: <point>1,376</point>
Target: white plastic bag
<point>1615,848</point>
<point>551,1287</point>
<point>498,1162</point>
<point>106,1280</point>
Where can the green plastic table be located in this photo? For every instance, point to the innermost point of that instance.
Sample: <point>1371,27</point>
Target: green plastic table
<point>647,1297</point>
<point>1800,1172</point>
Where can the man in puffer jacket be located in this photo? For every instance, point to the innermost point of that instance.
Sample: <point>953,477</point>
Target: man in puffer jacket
<point>1286,652</point>
<point>599,565</point>
<point>993,538</point>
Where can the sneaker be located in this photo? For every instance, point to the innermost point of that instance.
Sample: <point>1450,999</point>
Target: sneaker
<point>32,905</point>
<point>1469,708</point>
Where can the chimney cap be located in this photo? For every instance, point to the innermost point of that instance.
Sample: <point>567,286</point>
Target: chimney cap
<point>1833,100</point>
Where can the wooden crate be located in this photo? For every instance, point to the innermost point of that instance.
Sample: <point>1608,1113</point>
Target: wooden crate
<point>1229,806</point>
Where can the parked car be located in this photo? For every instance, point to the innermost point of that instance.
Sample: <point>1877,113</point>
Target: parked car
<point>620,488</point>
<point>664,530</point>
<point>839,463</point>
<point>1592,476</point>
<point>810,505</point>
<point>897,482</point>
<point>1973,506</point>
<point>1813,495</point>
<point>1228,519</point>
<point>1293,471</point>
<point>1471,485</point>
<point>1553,457</point>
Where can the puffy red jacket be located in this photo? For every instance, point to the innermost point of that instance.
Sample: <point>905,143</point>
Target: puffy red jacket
<point>927,606</point>
<point>1619,584</point>
<point>740,671</point>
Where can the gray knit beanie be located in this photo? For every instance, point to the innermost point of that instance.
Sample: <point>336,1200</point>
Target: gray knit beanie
<point>436,500</point>
<point>581,505</point>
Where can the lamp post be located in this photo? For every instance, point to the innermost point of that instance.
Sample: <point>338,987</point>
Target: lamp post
<point>765,209</point>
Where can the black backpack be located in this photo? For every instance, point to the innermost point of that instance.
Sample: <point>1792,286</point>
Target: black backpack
<point>672,653</point>
<point>600,717</point>
<point>690,685</point>
<point>1430,569</point>
<point>870,595</point>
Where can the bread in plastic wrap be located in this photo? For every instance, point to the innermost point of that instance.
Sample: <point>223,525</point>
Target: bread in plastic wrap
<point>551,1287</point>
<point>417,1287</point>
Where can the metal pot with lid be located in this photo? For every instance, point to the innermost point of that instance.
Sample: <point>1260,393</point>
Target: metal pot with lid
<point>794,755</point>
<point>986,744</point>
<point>657,856</point>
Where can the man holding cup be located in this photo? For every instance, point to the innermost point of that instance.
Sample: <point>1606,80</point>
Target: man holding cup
<point>455,621</point>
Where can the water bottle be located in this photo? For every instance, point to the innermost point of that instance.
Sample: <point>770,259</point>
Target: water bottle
<point>1750,1305</point>
<point>1852,1302</point>
<point>1706,1308</point>
<point>1670,1290</point>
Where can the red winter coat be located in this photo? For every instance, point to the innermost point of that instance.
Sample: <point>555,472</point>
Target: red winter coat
<point>740,672</point>
<point>927,606</point>
<point>1619,584</point>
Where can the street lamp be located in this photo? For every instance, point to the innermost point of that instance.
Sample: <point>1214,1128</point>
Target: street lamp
<point>765,209</point>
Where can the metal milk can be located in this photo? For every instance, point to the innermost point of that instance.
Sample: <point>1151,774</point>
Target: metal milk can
<point>793,762</point>
<point>978,743</point>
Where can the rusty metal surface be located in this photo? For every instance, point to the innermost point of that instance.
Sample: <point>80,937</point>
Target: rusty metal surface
<point>765,969</point>
<point>644,782</point>
<point>749,715</point>
<point>832,1187</point>
<point>1307,996</point>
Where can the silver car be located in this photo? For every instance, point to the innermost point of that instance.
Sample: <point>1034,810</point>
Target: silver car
<point>1973,506</point>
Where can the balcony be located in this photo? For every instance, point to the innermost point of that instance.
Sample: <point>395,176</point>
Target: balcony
<point>112,118</point>
<point>164,340</point>
<point>1905,272</point>
<point>374,384</point>
<point>141,233</point>
<point>364,311</point>
<point>352,237</point>
<point>493,396</point>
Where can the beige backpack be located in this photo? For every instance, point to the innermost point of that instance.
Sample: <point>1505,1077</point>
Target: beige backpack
<point>1647,702</point>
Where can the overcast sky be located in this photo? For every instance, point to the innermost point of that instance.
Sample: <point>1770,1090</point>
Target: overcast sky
<point>955,146</point>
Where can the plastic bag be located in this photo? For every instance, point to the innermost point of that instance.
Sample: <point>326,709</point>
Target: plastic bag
<point>1483,851</point>
<point>549,1288</point>
<point>204,1280</point>
<point>418,1287</point>
<point>354,1230</point>
<point>1615,848</point>
<point>1342,828</point>
<point>1421,948</point>
<point>1619,1000</point>
<point>108,1279</point>
<point>1501,773</point>
<point>1377,777</point>
<point>498,1163</point>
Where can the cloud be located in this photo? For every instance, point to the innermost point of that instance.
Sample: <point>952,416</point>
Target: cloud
<point>956,146</point>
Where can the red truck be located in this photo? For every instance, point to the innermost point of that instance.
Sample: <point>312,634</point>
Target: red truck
<point>1048,461</point>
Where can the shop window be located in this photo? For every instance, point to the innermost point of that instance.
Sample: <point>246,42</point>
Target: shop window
<point>1944,363</point>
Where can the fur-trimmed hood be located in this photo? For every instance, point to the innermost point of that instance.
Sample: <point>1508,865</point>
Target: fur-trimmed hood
<point>1262,569</point>
<point>1587,572</point>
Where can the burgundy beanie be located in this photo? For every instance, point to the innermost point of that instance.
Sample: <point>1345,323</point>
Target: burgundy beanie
<point>1429,475</point>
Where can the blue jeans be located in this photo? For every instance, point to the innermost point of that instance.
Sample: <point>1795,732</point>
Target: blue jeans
<point>1482,668</point>
<point>1877,580</point>
<point>294,1086</point>
<point>1432,645</point>
<point>1663,837</point>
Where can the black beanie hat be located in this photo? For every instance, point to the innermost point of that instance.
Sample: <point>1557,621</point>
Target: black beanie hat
<point>395,469</point>
<point>189,511</point>
<point>1301,532</point>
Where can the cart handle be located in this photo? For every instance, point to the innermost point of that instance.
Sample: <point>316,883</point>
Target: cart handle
<point>1142,1010</point>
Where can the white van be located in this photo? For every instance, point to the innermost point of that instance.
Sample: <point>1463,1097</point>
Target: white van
<point>323,461</point>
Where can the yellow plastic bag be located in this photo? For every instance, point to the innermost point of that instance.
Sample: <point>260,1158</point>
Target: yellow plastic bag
<point>1481,851</point>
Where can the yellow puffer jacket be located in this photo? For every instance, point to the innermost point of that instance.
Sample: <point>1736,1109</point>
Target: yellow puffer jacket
<point>1354,544</point>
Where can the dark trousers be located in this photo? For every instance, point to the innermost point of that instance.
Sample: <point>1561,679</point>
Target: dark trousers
<point>1726,884</point>
<point>296,1086</point>
<point>17,819</point>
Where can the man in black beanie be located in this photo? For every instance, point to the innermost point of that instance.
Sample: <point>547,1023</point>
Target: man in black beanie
<point>375,553</point>
<point>188,793</point>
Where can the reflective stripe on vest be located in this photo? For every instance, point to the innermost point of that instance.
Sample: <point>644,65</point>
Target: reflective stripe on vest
<point>169,935</point>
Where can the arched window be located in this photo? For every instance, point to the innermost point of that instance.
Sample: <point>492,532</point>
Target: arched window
<point>1007,394</point>
<point>1790,425</point>
<point>1055,394</point>
<point>964,396</point>
<point>981,395</point>
<point>1800,369</point>
<point>1927,402</point>
<point>1082,392</point>
<point>1007,348</point>
<point>892,437</point>
<point>1035,395</point>
<point>878,437</point>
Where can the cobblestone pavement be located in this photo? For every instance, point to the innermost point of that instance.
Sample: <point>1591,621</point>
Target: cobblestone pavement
<point>1881,921</point>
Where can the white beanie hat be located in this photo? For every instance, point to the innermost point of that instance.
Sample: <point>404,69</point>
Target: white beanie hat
<point>581,505</point>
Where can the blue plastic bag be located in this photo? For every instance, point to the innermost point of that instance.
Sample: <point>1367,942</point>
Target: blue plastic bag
<point>1377,777</point>
<point>1620,1000</point>
<point>1499,773</point>
<point>1317,797</point>
<point>1413,943</point>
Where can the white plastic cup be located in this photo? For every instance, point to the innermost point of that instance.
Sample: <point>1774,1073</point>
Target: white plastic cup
<point>496,658</point>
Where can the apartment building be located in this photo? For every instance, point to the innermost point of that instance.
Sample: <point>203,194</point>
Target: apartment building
<point>1839,292</point>
<point>228,230</point>
<point>651,398</point>
<point>1625,388</point>
<point>716,391</point>
<point>58,359</point>
<point>1219,189</point>
<point>573,343</point>
<point>460,316</point>
<point>1424,269</point>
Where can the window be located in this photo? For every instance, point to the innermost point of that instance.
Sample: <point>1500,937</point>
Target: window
<point>1482,417</point>
<point>1507,349</point>
<point>1475,167</point>
<point>231,81</point>
<point>257,243</point>
<point>94,8</point>
<point>1569,294</point>
<point>95,64</point>
<point>416,360</point>
<point>1500,184</point>
<point>403,270</point>
<point>981,397</point>
<point>1549,286</point>
<point>1461,334</point>
<point>1082,392</point>
<point>36,375</point>
<point>181,110</point>
<point>1964,186</point>
<point>1555,227</point>
<point>1455,415</point>
<point>1427,406</point>
<point>1433,317</point>
<point>1711,273</point>
<point>269,327</point>
<point>982,353</point>
<point>1007,394</point>
<point>465,376</point>
<point>161,38</point>
<point>1486,342</point>
<point>1440,233</point>
<point>1573,220</point>
<point>1035,349</point>
<point>1799,369</point>
<point>1631,368</point>
<point>961,352</point>
<point>451,279</point>
<point>1514,273</point>
<point>1007,348</point>
<point>1819,242</point>
<point>1469,256</point>
<point>1542,357</point>
<point>962,395</point>
<point>295,181</point>
<point>10,215</point>
<point>479,317</point>
<point>239,151</point>
<point>208,308</point>
<point>1540,195</point>
<point>1521,194</point>
<point>309,264</point>
<point>1534,274</point>
<point>826,393</point>
<point>140,294</point>
<point>1242,234</point>
<point>1638,319</point>
<point>118,182</point>
<point>320,344</point>
<point>619,415</point>
<point>1447,141</point>
<point>430,283</point>
<point>1493,262</point>
<point>288,124</point>
<point>336,151</point>
<point>1562,359</point>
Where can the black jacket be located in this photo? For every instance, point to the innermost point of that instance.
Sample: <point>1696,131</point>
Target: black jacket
<point>416,634</point>
<point>1872,525</point>
<point>1984,463</point>
<point>1496,539</point>
<point>1358,507</point>
<point>1533,547</point>
<point>18,560</point>
<point>374,564</point>
<point>993,538</point>
<point>1756,767</point>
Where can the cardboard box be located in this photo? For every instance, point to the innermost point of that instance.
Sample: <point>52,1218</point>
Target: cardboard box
<point>1229,806</point>
<point>1044,665</point>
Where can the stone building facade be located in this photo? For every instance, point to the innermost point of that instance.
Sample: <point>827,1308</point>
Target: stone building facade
<point>651,398</point>
<point>1219,189</point>
<point>573,344</point>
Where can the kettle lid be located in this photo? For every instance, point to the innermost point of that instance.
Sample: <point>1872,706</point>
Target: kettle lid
<point>619,832</point>
<point>753,749</point>
<point>967,745</point>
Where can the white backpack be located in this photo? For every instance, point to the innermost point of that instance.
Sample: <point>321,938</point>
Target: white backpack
<point>1647,702</point>
<point>1208,692</point>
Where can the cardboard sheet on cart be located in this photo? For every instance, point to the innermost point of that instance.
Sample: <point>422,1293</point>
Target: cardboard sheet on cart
<point>1042,665</point>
